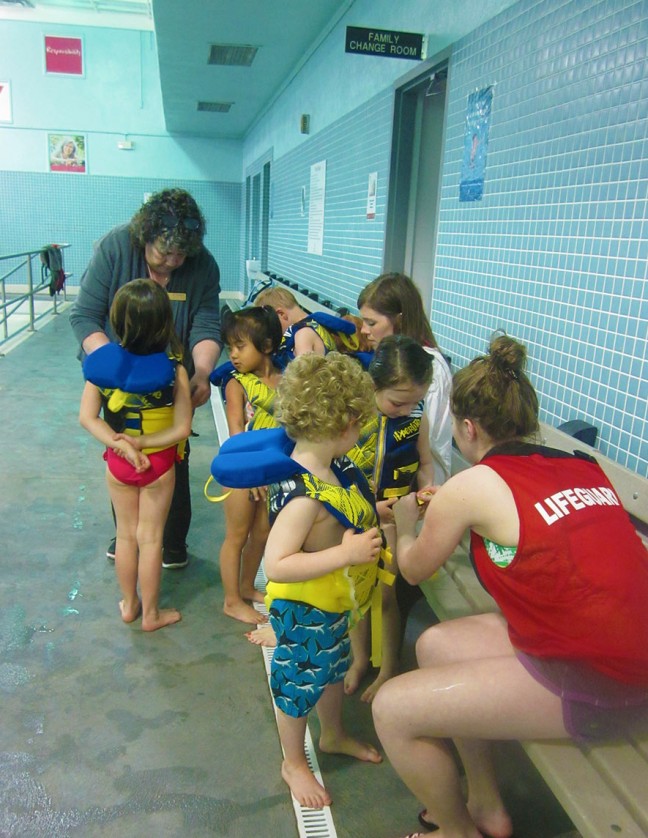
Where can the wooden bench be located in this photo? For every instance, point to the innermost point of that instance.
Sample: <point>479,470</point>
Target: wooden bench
<point>603,788</point>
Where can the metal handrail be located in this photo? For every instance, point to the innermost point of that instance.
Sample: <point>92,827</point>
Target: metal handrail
<point>10,305</point>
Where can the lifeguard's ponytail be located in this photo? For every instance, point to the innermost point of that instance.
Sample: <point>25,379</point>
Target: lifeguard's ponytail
<point>495,391</point>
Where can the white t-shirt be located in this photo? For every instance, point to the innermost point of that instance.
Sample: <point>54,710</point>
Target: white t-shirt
<point>437,409</point>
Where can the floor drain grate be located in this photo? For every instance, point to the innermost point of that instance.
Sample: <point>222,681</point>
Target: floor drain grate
<point>311,823</point>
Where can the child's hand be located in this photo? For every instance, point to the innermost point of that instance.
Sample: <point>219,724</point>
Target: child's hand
<point>385,511</point>
<point>424,496</point>
<point>258,493</point>
<point>133,441</point>
<point>363,547</point>
<point>123,448</point>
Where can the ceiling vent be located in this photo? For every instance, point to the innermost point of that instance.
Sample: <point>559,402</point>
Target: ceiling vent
<point>232,55</point>
<point>215,107</point>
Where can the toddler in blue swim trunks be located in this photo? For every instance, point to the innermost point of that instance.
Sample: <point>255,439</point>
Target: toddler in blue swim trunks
<point>321,559</point>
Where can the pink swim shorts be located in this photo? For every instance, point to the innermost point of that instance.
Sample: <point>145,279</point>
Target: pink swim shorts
<point>122,470</point>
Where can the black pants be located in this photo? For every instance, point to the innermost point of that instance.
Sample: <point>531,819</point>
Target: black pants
<point>179,517</point>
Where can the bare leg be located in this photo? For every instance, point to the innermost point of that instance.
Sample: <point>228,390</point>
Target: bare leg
<point>359,636</point>
<point>253,553</point>
<point>294,770</point>
<point>239,517</point>
<point>333,738</point>
<point>484,803</point>
<point>155,500</point>
<point>467,700</point>
<point>462,641</point>
<point>125,501</point>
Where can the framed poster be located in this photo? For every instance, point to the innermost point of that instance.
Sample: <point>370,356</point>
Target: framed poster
<point>477,125</point>
<point>5,102</point>
<point>64,55</point>
<point>67,153</point>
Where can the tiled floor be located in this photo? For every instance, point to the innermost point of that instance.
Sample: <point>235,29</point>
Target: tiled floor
<point>107,731</point>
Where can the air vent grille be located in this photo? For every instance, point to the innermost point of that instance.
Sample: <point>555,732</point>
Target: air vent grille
<point>215,107</point>
<point>232,55</point>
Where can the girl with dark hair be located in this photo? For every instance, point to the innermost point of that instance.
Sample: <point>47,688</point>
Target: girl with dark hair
<point>568,654</point>
<point>249,380</point>
<point>391,305</point>
<point>394,454</point>
<point>145,394</point>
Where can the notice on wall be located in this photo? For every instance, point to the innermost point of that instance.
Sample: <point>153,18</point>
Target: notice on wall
<point>64,55</point>
<point>372,188</point>
<point>473,167</point>
<point>67,153</point>
<point>5,102</point>
<point>316,208</point>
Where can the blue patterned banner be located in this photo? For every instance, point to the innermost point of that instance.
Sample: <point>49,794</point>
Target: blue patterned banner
<point>478,111</point>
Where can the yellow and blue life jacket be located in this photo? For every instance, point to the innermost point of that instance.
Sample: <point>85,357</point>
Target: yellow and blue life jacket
<point>137,390</point>
<point>326,326</point>
<point>263,458</point>
<point>259,396</point>
<point>387,453</point>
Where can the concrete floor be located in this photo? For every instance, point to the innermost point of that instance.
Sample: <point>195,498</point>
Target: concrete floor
<point>107,731</point>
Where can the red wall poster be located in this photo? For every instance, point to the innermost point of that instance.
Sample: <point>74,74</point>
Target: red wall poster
<point>63,55</point>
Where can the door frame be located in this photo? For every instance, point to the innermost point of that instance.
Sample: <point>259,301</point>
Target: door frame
<point>405,150</point>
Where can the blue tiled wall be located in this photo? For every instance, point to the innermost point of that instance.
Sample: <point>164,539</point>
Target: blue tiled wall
<point>37,209</point>
<point>353,147</point>
<point>556,251</point>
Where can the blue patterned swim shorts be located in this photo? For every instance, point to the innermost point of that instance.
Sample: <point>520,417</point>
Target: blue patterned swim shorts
<point>313,650</point>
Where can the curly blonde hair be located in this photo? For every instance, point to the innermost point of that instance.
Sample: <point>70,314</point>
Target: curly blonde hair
<point>319,396</point>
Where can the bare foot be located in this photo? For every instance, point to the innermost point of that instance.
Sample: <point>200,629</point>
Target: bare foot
<point>253,595</point>
<point>130,613</point>
<point>264,636</point>
<point>370,693</point>
<point>244,612</point>
<point>160,619</point>
<point>493,822</point>
<point>354,676</point>
<point>350,747</point>
<point>305,788</point>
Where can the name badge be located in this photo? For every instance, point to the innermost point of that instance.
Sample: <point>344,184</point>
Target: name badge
<point>177,296</point>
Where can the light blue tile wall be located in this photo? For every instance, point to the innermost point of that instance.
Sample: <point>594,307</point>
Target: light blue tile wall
<point>39,209</point>
<point>353,147</point>
<point>555,252</point>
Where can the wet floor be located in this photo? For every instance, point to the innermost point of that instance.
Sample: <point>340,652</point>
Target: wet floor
<point>107,731</point>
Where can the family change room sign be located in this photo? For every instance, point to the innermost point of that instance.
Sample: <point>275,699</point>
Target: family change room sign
<point>385,43</point>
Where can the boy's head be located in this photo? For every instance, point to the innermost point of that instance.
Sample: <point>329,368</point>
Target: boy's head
<point>283,302</point>
<point>319,396</point>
